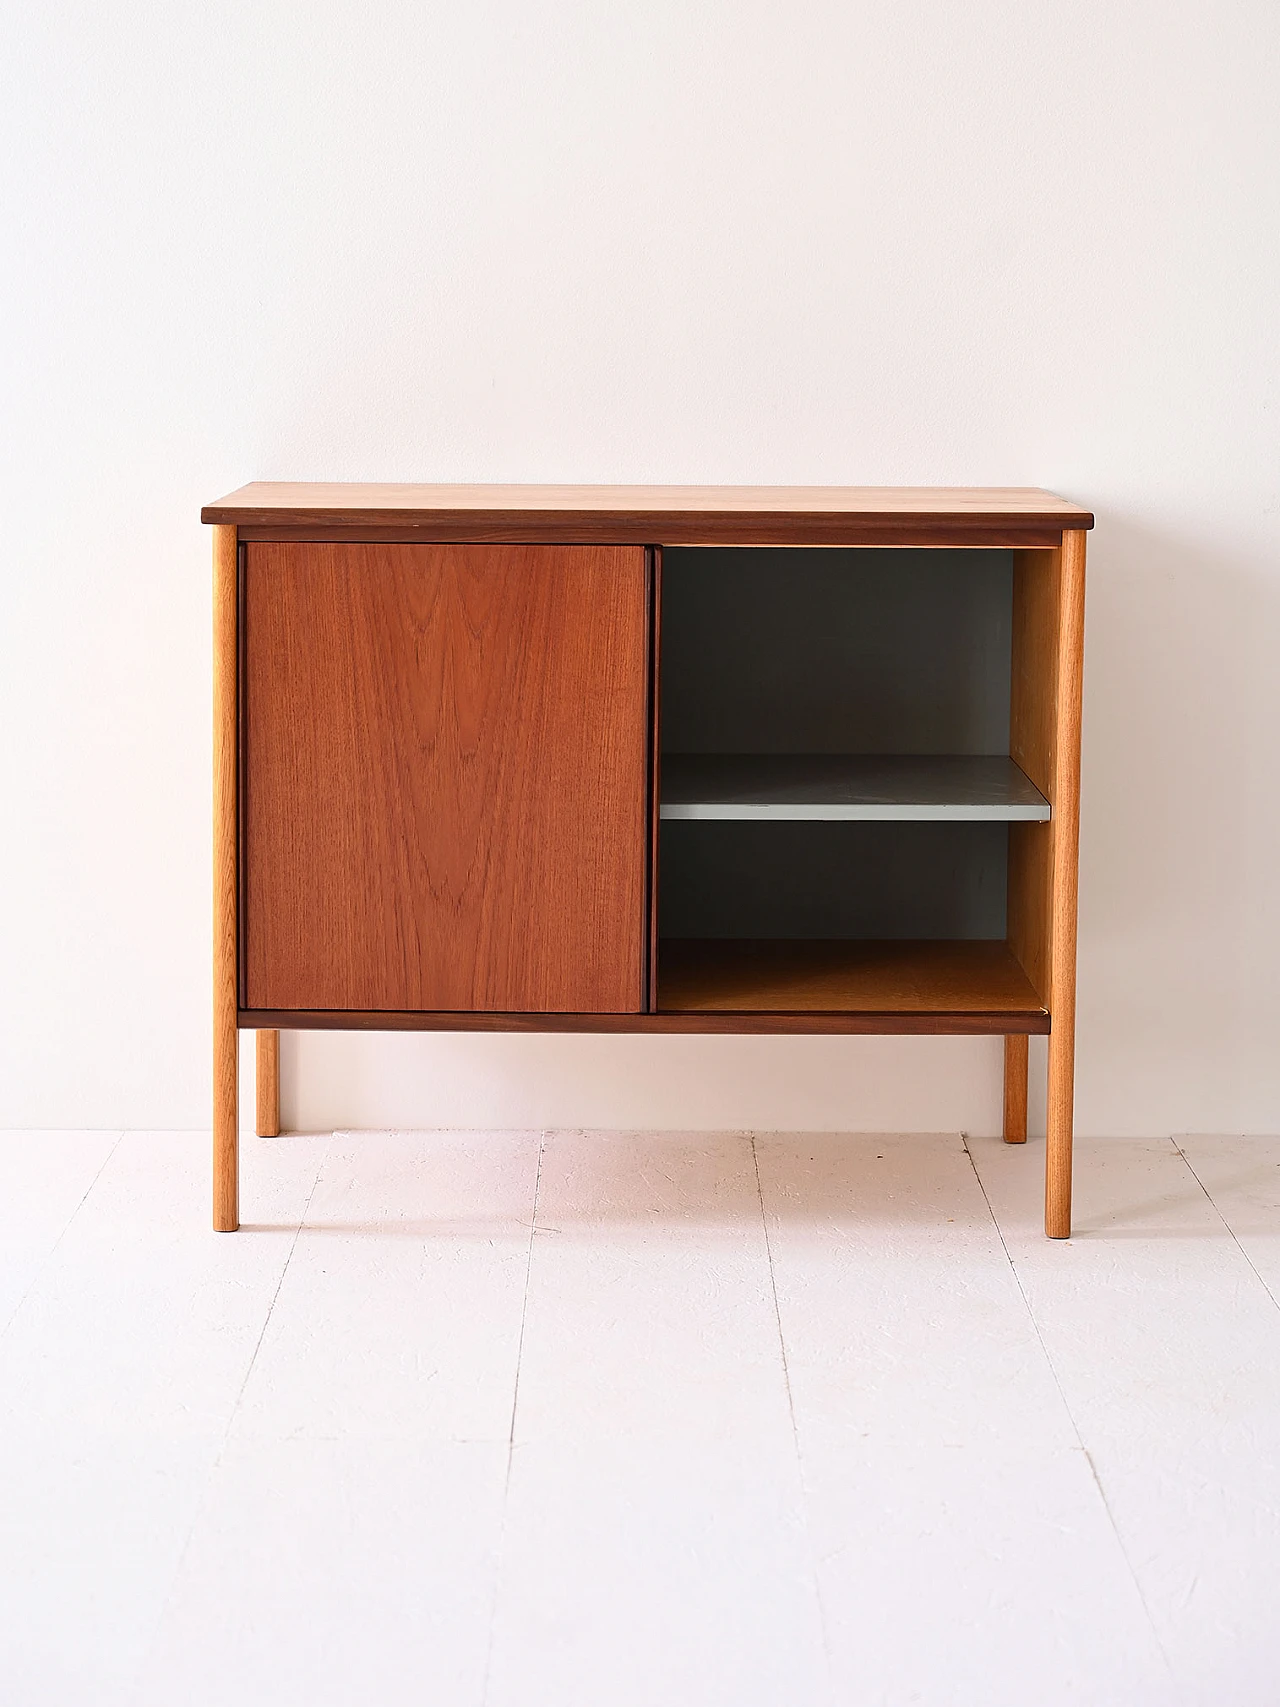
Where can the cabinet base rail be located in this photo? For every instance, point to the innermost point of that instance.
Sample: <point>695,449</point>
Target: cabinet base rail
<point>740,1024</point>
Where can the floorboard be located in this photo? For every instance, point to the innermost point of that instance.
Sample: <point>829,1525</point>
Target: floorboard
<point>497,1418</point>
<point>1166,1345</point>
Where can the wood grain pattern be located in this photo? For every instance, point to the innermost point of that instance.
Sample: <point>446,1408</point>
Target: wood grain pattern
<point>992,1024</point>
<point>226,1188</point>
<point>653,515</point>
<point>268,1084</point>
<point>1033,712</point>
<point>1062,922</point>
<point>446,777</point>
<point>1015,1088</point>
<point>789,976</point>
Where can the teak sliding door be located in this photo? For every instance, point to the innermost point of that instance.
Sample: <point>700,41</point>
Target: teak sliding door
<point>444,773</point>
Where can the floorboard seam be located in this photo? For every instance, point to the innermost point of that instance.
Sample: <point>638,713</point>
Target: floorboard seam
<point>48,1256</point>
<point>1066,1405</point>
<point>1191,1168</point>
<point>511,1433</point>
<point>524,1303</point>
<point>795,1431</point>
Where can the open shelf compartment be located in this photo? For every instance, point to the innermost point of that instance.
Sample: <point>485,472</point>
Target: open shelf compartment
<point>844,827</point>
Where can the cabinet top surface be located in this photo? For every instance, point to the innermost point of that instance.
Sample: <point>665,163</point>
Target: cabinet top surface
<point>670,514</point>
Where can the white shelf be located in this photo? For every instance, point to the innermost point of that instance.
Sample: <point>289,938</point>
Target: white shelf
<point>945,788</point>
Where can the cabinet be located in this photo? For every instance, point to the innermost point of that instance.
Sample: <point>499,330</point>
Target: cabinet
<point>647,759</point>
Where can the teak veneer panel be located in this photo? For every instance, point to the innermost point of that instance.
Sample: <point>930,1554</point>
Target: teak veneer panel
<point>445,777</point>
<point>940,978</point>
<point>657,515</point>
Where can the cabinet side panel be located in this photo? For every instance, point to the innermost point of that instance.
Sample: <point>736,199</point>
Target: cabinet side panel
<point>1029,905</point>
<point>446,777</point>
<point>1037,589</point>
<point>1037,585</point>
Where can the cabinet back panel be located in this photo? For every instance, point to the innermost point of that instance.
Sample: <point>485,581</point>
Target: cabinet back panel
<point>920,882</point>
<point>836,651</point>
<point>444,773</point>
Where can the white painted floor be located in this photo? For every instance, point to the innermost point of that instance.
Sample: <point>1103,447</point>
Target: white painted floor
<point>525,1418</point>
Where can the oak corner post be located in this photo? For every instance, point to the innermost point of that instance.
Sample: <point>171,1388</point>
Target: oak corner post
<point>226,1160</point>
<point>1066,845</point>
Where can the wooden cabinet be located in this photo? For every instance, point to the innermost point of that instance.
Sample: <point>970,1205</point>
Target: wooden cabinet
<point>675,759</point>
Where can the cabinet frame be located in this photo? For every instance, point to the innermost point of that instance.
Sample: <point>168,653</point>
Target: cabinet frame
<point>1047,537</point>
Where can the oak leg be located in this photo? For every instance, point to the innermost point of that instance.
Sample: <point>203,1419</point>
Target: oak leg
<point>1058,1130</point>
<point>226,1050</point>
<point>268,1067</point>
<point>226,1129</point>
<point>1062,923</point>
<point>1015,1088</point>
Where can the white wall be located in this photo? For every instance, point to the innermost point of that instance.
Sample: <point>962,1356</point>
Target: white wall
<point>868,242</point>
